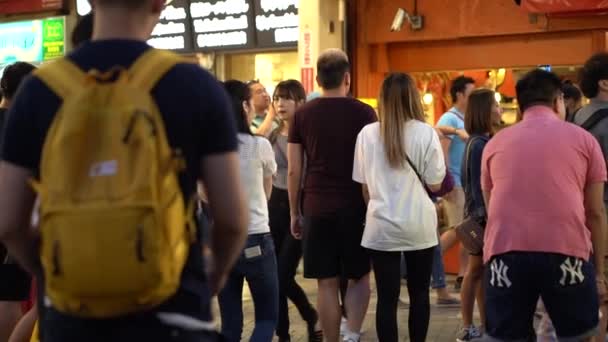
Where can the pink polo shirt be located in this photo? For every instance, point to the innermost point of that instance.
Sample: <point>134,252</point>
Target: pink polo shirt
<point>536,172</point>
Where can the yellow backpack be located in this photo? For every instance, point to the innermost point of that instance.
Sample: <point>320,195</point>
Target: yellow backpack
<point>115,233</point>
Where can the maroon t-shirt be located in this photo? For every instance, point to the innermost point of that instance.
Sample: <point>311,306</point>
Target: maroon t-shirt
<point>327,129</point>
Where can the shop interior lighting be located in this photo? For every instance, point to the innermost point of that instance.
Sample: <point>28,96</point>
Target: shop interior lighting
<point>427,99</point>
<point>497,97</point>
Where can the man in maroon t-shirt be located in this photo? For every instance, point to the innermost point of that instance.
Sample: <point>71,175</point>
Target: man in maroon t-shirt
<point>331,203</point>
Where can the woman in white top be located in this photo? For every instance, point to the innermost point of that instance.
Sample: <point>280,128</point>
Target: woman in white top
<point>401,217</point>
<point>257,264</point>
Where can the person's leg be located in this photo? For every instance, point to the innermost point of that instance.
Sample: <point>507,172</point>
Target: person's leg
<point>288,263</point>
<point>231,305</point>
<point>569,293</point>
<point>454,206</point>
<point>279,221</point>
<point>328,305</point>
<point>480,297</point>
<point>419,265</point>
<point>512,290</point>
<point>320,244</point>
<point>356,265</point>
<point>261,276</point>
<point>470,287</point>
<point>388,286</point>
<point>438,280</point>
<point>357,302</point>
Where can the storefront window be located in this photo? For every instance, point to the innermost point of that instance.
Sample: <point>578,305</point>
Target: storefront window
<point>268,68</point>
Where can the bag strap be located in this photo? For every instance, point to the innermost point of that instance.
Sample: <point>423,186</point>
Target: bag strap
<point>151,66</point>
<point>595,118</point>
<point>62,76</point>
<point>409,161</point>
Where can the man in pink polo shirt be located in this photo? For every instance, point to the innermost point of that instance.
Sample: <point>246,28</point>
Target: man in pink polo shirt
<point>543,182</point>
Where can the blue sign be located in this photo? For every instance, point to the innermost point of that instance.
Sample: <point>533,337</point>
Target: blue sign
<point>21,41</point>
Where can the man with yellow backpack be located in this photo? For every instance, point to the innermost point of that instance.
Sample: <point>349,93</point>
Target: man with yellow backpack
<point>113,139</point>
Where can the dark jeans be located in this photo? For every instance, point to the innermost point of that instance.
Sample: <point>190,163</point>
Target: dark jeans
<point>57,327</point>
<point>289,253</point>
<point>387,271</point>
<point>257,265</point>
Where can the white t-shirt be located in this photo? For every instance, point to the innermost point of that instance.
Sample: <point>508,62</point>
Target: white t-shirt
<point>256,162</point>
<point>400,214</point>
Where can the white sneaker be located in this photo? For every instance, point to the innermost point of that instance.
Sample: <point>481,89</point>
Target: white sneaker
<point>352,337</point>
<point>343,327</point>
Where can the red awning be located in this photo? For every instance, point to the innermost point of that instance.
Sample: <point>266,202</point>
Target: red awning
<point>29,6</point>
<point>566,7</point>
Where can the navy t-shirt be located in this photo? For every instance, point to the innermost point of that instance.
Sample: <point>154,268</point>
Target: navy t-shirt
<point>197,117</point>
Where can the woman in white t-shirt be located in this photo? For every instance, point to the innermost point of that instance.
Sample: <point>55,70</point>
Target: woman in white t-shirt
<point>257,264</point>
<point>401,217</point>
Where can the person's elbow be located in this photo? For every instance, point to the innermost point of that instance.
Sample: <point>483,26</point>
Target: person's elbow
<point>434,187</point>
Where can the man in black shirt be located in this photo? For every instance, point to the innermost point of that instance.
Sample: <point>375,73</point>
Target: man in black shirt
<point>198,121</point>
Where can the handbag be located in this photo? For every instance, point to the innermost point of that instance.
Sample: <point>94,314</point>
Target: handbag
<point>470,231</point>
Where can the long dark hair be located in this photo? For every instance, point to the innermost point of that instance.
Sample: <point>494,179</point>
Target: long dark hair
<point>239,92</point>
<point>291,90</point>
<point>399,102</point>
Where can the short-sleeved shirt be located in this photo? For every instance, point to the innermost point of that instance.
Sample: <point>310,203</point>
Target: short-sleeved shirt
<point>257,162</point>
<point>197,117</point>
<point>400,214</point>
<point>327,129</point>
<point>454,118</point>
<point>599,131</point>
<point>280,153</point>
<point>536,173</point>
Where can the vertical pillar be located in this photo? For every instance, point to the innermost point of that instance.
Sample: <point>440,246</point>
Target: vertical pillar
<point>321,28</point>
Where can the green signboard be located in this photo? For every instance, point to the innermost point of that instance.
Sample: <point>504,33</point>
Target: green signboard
<point>53,38</point>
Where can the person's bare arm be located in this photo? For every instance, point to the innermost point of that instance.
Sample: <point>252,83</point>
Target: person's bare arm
<point>595,215</point>
<point>266,127</point>
<point>268,187</point>
<point>294,179</point>
<point>365,191</point>
<point>228,207</point>
<point>449,130</point>
<point>16,204</point>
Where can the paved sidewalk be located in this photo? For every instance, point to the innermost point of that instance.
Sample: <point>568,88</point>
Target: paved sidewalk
<point>445,321</point>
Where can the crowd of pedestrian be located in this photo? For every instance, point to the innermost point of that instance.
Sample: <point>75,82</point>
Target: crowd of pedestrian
<point>118,142</point>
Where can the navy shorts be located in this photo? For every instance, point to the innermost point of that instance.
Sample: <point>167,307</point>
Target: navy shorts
<point>514,283</point>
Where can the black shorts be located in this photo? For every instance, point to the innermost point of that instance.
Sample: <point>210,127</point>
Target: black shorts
<point>15,283</point>
<point>514,283</point>
<point>332,246</point>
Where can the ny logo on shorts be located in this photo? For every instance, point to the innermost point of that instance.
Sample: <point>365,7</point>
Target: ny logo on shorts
<point>573,268</point>
<point>499,274</point>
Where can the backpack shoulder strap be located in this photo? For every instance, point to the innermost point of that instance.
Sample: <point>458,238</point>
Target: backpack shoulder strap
<point>595,118</point>
<point>62,76</point>
<point>152,66</point>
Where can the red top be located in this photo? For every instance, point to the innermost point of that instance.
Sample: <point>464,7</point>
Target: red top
<point>327,129</point>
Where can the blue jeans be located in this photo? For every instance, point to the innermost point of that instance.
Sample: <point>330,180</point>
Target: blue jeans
<point>438,273</point>
<point>257,265</point>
